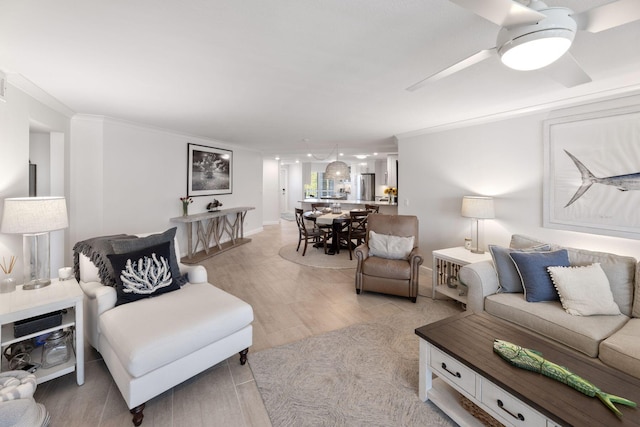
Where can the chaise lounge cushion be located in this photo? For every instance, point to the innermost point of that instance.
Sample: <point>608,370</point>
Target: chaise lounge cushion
<point>550,320</point>
<point>622,349</point>
<point>191,318</point>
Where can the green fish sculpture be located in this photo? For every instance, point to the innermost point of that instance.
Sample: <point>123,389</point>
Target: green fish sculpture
<point>532,360</point>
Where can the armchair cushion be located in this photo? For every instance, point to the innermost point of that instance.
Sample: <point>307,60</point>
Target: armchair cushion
<point>391,247</point>
<point>143,273</point>
<point>387,268</point>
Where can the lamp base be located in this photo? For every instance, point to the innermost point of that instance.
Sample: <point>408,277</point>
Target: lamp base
<point>477,251</point>
<point>36,284</point>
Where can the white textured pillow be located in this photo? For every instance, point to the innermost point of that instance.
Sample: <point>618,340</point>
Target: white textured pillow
<point>391,247</point>
<point>584,291</point>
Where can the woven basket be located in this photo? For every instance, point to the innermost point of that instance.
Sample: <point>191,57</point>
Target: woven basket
<point>479,413</point>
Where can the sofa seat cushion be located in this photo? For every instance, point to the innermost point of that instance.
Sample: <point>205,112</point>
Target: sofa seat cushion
<point>622,349</point>
<point>387,268</point>
<point>549,319</point>
<point>150,333</point>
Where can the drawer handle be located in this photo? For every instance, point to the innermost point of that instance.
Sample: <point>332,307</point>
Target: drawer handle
<point>501,406</point>
<point>455,374</point>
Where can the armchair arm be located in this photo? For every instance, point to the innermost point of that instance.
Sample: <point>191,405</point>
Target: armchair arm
<point>195,273</point>
<point>102,297</point>
<point>482,280</point>
<point>416,257</point>
<point>362,252</point>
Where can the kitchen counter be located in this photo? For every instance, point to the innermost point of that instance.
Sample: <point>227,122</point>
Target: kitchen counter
<point>346,205</point>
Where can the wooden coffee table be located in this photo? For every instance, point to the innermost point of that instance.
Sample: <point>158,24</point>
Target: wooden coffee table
<point>459,351</point>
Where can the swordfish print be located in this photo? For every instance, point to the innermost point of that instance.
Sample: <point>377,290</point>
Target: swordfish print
<point>621,182</point>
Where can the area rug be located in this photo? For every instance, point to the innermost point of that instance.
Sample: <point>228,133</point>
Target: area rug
<point>315,257</point>
<point>362,375</point>
<point>288,216</point>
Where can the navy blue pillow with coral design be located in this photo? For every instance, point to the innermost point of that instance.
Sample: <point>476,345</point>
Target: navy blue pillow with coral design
<point>532,267</point>
<point>142,274</point>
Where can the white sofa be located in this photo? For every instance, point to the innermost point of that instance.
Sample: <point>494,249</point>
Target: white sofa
<point>153,344</point>
<point>614,339</point>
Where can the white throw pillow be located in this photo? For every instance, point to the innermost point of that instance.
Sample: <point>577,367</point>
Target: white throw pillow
<point>391,247</point>
<point>584,291</point>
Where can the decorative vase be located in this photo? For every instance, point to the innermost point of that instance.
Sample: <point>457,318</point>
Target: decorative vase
<point>7,284</point>
<point>185,209</point>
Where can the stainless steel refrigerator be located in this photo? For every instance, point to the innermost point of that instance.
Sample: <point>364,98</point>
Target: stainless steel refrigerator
<point>366,187</point>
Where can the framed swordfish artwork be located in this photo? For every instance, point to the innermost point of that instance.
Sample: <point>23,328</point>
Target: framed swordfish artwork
<point>209,170</point>
<point>592,173</point>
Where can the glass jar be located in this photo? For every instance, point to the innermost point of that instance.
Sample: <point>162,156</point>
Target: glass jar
<point>7,284</point>
<point>57,348</point>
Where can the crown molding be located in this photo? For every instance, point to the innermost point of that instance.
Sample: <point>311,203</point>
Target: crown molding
<point>25,85</point>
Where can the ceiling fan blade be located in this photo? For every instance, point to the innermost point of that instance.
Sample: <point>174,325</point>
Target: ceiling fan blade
<point>567,71</point>
<point>506,13</point>
<point>608,15</point>
<point>465,63</point>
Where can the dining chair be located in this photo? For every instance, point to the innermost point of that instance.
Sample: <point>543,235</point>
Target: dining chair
<point>316,235</point>
<point>372,208</point>
<point>352,229</point>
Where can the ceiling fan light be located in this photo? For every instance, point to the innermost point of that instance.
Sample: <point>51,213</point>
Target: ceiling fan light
<point>536,50</point>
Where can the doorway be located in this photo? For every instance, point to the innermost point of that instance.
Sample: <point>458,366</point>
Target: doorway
<point>284,190</point>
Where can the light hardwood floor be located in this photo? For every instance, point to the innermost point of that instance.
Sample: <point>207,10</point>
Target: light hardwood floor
<point>290,302</point>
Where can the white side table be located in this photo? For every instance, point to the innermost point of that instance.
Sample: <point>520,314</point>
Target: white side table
<point>21,304</point>
<point>446,264</point>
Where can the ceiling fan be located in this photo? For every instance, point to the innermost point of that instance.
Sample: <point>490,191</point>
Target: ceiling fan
<point>538,36</point>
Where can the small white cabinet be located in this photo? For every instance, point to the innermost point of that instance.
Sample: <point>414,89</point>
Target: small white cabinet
<point>446,265</point>
<point>21,304</point>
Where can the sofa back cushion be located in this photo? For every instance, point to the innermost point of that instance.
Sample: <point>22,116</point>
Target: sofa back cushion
<point>620,270</point>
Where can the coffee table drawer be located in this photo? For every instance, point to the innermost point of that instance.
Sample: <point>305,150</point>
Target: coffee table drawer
<point>510,408</point>
<point>453,371</point>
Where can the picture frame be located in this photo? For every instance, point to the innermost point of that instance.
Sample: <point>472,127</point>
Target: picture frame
<point>209,170</point>
<point>592,173</point>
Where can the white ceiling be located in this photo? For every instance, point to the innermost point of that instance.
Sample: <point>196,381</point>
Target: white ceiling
<point>287,76</point>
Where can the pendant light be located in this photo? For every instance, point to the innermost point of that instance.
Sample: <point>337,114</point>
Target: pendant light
<point>337,170</point>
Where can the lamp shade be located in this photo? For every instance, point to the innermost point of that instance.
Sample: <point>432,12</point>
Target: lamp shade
<point>479,207</point>
<point>29,215</point>
<point>337,170</point>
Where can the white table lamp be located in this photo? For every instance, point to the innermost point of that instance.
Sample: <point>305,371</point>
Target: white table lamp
<point>34,218</point>
<point>478,208</point>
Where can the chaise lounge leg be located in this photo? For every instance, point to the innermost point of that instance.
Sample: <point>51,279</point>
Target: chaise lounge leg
<point>137,414</point>
<point>243,356</point>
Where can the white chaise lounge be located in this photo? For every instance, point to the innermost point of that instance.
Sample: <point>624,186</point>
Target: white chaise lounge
<point>153,344</point>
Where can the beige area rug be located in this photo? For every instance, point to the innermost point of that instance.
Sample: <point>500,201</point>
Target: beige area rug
<point>362,375</point>
<point>315,257</point>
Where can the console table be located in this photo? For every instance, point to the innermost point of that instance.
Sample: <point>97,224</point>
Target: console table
<point>459,350</point>
<point>216,232</point>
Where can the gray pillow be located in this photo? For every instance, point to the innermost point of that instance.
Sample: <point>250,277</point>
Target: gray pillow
<point>124,246</point>
<point>509,280</point>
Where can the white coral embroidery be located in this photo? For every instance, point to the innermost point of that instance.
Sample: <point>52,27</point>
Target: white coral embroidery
<point>146,275</point>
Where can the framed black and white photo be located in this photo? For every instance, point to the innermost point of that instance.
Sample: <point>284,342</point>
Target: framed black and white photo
<point>592,173</point>
<point>209,170</point>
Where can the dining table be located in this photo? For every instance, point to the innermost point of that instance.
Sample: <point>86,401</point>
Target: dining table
<point>336,221</point>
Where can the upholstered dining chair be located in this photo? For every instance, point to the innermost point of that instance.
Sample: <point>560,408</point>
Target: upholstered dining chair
<point>314,234</point>
<point>372,208</point>
<point>389,260</point>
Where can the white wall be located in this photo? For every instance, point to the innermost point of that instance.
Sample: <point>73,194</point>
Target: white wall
<point>16,116</point>
<point>128,178</point>
<point>503,159</point>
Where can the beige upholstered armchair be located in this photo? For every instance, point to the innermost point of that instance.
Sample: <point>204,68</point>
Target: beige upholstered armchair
<point>389,260</point>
